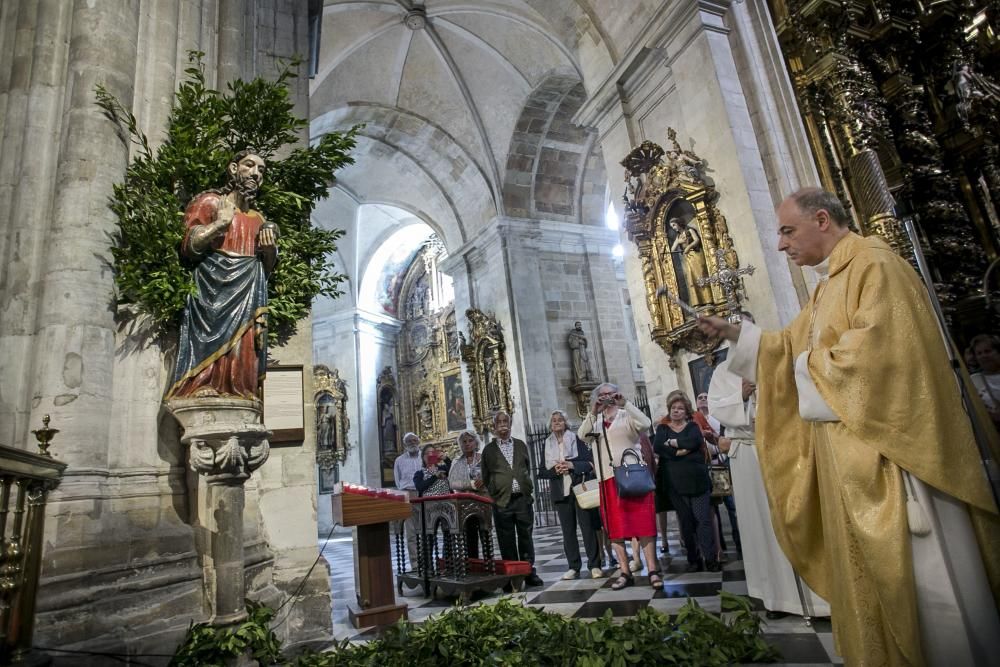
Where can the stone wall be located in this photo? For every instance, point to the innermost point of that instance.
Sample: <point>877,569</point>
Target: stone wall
<point>539,277</point>
<point>121,570</point>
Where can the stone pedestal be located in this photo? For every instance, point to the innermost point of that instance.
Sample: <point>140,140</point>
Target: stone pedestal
<point>227,443</point>
<point>581,391</point>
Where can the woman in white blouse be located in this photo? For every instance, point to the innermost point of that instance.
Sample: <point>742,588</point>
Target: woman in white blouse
<point>569,462</point>
<point>613,425</point>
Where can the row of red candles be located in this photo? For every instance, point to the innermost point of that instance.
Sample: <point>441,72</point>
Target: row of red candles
<point>388,494</point>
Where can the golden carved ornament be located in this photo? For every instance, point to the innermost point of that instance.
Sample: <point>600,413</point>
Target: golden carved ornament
<point>673,220</point>
<point>486,360</point>
<point>332,422</point>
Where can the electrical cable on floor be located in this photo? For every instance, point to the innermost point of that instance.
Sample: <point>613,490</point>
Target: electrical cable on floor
<point>304,579</point>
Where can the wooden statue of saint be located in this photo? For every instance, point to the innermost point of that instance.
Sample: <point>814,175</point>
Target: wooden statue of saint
<point>222,349</point>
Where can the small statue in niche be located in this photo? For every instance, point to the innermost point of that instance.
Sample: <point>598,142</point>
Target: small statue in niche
<point>451,338</point>
<point>581,359</point>
<point>966,85</point>
<point>426,415</point>
<point>688,244</point>
<point>492,383</point>
<point>325,438</point>
<point>388,429</point>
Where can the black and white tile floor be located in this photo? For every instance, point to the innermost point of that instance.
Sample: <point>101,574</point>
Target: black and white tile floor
<point>590,598</point>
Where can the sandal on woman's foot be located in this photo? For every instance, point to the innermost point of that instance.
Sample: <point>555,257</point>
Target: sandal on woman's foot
<point>622,582</point>
<point>655,580</point>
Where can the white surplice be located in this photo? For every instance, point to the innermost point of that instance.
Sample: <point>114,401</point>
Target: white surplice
<point>770,576</point>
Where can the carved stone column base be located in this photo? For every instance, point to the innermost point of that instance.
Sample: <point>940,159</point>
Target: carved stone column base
<point>227,439</point>
<point>227,443</point>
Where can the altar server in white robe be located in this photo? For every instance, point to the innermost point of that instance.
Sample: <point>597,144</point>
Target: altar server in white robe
<point>770,577</point>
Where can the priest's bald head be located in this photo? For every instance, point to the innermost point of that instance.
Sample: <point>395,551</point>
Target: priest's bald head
<point>810,223</point>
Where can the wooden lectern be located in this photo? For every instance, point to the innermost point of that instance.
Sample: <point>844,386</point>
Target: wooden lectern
<point>371,515</point>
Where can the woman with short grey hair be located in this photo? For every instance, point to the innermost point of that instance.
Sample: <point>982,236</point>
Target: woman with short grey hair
<point>466,472</point>
<point>568,462</point>
<point>615,424</point>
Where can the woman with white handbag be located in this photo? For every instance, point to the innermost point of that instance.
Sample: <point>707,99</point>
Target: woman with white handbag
<point>569,463</point>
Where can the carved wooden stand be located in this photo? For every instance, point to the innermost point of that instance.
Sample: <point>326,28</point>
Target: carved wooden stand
<point>376,601</point>
<point>451,573</point>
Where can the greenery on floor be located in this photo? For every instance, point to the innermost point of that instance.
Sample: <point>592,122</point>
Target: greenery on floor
<point>206,128</point>
<point>208,646</point>
<point>509,633</point>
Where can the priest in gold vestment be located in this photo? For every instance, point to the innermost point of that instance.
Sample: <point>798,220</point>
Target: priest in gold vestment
<point>877,490</point>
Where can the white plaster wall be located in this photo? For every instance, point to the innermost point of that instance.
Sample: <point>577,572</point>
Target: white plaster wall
<point>680,72</point>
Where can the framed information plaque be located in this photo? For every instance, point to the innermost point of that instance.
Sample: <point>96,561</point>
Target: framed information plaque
<point>284,404</point>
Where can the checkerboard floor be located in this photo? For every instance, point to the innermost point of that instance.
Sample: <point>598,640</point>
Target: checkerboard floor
<point>590,598</point>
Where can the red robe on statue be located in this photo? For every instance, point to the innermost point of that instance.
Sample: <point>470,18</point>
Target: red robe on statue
<point>222,357</point>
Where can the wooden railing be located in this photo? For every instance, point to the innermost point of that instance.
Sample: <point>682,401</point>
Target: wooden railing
<point>25,481</point>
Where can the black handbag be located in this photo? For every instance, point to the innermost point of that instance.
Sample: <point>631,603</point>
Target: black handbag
<point>633,479</point>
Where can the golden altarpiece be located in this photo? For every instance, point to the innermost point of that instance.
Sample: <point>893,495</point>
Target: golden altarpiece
<point>901,104</point>
<point>428,396</point>
<point>485,356</point>
<point>332,424</point>
<point>683,242</point>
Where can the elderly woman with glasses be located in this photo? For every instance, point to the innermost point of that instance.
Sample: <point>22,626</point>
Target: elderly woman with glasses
<point>466,472</point>
<point>615,424</point>
<point>569,461</point>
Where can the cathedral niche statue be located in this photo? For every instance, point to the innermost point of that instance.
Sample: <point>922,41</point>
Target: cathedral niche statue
<point>583,375</point>
<point>687,244</point>
<point>577,342</point>
<point>485,356</point>
<point>332,423</point>
<point>324,426</point>
<point>426,415</point>
<point>681,238</point>
<point>388,421</point>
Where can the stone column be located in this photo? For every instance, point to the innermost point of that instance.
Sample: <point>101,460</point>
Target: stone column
<point>33,142</point>
<point>227,442</point>
<point>75,328</point>
<point>234,26</point>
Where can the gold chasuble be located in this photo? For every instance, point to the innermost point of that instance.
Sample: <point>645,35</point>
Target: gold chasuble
<point>835,488</point>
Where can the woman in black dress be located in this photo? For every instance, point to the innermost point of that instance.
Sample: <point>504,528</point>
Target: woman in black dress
<point>681,446</point>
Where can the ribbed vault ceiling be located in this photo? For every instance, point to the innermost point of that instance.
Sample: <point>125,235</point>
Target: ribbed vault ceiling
<point>441,91</point>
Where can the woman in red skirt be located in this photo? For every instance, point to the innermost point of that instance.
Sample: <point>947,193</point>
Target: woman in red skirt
<point>613,426</point>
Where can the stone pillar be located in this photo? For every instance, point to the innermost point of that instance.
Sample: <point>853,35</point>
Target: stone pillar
<point>234,26</point>
<point>33,143</point>
<point>157,68</point>
<point>227,443</point>
<point>75,329</point>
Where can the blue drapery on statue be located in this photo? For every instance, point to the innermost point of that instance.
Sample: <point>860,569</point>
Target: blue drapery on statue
<point>231,294</point>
